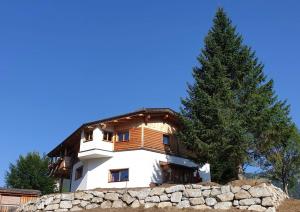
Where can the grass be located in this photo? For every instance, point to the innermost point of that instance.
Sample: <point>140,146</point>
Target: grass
<point>290,205</point>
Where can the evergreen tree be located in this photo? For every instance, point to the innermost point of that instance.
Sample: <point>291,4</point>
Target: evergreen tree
<point>228,113</point>
<point>30,172</point>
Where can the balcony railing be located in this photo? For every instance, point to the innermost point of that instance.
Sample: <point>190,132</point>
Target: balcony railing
<point>61,167</point>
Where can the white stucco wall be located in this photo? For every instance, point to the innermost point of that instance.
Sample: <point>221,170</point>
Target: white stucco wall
<point>143,168</point>
<point>81,183</point>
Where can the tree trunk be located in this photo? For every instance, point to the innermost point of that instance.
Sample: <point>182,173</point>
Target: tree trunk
<point>285,186</point>
<point>240,172</point>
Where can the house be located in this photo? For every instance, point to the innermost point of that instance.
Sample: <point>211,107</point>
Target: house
<point>11,199</point>
<point>135,149</point>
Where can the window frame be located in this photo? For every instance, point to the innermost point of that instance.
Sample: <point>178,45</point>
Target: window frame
<point>169,139</point>
<point>119,171</point>
<point>105,138</point>
<point>78,175</point>
<point>88,135</point>
<point>123,136</point>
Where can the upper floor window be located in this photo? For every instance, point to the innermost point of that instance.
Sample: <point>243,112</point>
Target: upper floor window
<point>78,173</point>
<point>88,135</point>
<point>107,136</point>
<point>119,175</point>
<point>166,139</point>
<point>123,136</point>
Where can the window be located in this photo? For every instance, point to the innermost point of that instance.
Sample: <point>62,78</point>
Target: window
<point>119,175</point>
<point>123,136</point>
<point>88,135</point>
<point>78,173</point>
<point>107,136</point>
<point>166,139</point>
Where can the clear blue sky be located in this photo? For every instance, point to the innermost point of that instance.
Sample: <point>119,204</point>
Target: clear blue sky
<point>63,63</point>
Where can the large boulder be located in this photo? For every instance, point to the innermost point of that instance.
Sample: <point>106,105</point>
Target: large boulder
<point>142,194</point>
<point>79,195</point>
<point>225,197</point>
<point>94,200</point>
<point>242,194</point>
<point>183,204</point>
<point>259,191</point>
<point>197,201</point>
<point>76,208</point>
<point>256,208</point>
<point>164,198</point>
<point>65,204</point>
<point>154,199</point>
<point>176,197</point>
<point>164,204</point>
<point>106,204</point>
<point>206,193</point>
<point>118,204</point>
<point>192,192</point>
<point>215,192</point>
<point>127,198</point>
<point>157,191</point>
<point>52,207</point>
<point>175,188</point>
<point>84,203</point>
<point>49,200</point>
<point>225,189</point>
<point>91,206</point>
<point>268,201</point>
<point>201,207</point>
<point>68,196</point>
<point>223,205</point>
<point>98,194</point>
<point>246,187</point>
<point>251,201</point>
<point>87,196</point>
<point>210,201</point>
<point>111,196</point>
<point>150,205</point>
<point>235,189</point>
<point>135,204</point>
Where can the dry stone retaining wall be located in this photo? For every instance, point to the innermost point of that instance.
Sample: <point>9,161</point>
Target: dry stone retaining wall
<point>262,197</point>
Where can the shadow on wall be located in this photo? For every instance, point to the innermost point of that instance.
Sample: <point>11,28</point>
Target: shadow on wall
<point>156,177</point>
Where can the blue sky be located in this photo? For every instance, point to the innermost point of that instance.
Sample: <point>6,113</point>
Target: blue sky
<point>63,63</point>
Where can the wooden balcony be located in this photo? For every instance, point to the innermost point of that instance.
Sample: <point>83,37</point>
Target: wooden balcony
<point>61,167</point>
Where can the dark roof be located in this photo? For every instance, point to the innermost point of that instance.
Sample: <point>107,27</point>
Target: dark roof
<point>19,191</point>
<point>143,110</point>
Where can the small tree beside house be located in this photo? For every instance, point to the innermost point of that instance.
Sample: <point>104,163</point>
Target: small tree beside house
<point>30,172</point>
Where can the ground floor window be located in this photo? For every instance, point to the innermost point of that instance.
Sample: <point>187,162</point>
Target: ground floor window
<point>78,173</point>
<point>118,175</point>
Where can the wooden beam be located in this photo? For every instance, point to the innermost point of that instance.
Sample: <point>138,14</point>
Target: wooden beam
<point>103,126</point>
<point>147,118</point>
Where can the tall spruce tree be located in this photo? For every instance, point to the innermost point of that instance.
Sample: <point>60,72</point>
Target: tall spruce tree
<point>228,113</point>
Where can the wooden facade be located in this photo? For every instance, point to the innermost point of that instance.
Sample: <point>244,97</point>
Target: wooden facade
<point>11,199</point>
<point>135,138</point>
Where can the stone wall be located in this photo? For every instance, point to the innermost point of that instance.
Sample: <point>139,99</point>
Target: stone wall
<point>261,197</point>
